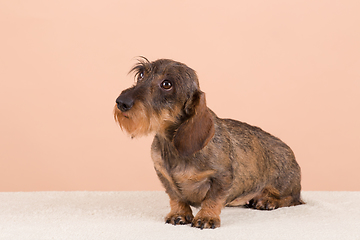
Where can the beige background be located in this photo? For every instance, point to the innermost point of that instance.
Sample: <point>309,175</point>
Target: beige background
<point>290,67</point>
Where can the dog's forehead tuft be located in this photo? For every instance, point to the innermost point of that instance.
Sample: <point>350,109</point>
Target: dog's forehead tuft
<point>143,65</point>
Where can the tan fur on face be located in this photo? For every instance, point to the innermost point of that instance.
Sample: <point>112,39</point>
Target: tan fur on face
<point>141,121</point>
<point>136,122</point>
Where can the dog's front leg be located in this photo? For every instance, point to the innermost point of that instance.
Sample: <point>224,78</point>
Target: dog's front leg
<point>209,214</point>
<point>180,213</point>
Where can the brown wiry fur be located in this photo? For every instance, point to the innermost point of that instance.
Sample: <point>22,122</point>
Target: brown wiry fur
<point>201,159</point>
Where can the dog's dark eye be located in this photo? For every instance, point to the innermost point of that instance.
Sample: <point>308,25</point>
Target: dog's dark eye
<point>141,76</point>
<point>166,84</point>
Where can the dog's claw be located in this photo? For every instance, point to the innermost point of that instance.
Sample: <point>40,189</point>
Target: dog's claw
<point>179,219</point>
<point>206,223</point>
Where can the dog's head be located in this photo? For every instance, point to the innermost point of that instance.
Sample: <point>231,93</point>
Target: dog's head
<point>166,99</point>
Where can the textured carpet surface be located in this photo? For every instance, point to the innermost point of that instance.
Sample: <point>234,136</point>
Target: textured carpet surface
<point>140,215</point>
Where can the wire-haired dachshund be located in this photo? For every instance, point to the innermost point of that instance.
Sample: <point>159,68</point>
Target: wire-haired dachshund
<point>203,160</point>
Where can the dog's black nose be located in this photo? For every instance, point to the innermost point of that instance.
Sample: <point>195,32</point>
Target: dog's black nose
<point>124,103</point>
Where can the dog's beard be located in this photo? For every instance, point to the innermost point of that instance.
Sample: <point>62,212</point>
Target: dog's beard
<point>139,121</point>
<point>136,121</point>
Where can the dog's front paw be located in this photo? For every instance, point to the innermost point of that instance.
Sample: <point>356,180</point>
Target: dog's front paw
<point>179,218</point>
<point>205,219</point>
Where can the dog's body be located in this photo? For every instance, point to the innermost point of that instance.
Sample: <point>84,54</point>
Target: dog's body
<point>203,160</point>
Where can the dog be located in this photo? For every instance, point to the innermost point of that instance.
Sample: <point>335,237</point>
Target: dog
<point>203,160</point>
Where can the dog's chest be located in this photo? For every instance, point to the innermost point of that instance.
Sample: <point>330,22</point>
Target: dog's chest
<point>191,184</point>
<point>183,179</point>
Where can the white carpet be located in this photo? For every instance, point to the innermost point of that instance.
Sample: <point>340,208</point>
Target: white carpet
<point>140,215</point>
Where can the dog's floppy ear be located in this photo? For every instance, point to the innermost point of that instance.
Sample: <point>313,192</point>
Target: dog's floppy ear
<point>196,131</point>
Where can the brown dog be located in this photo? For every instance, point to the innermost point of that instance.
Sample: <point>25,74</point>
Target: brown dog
<point>203,160</point>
